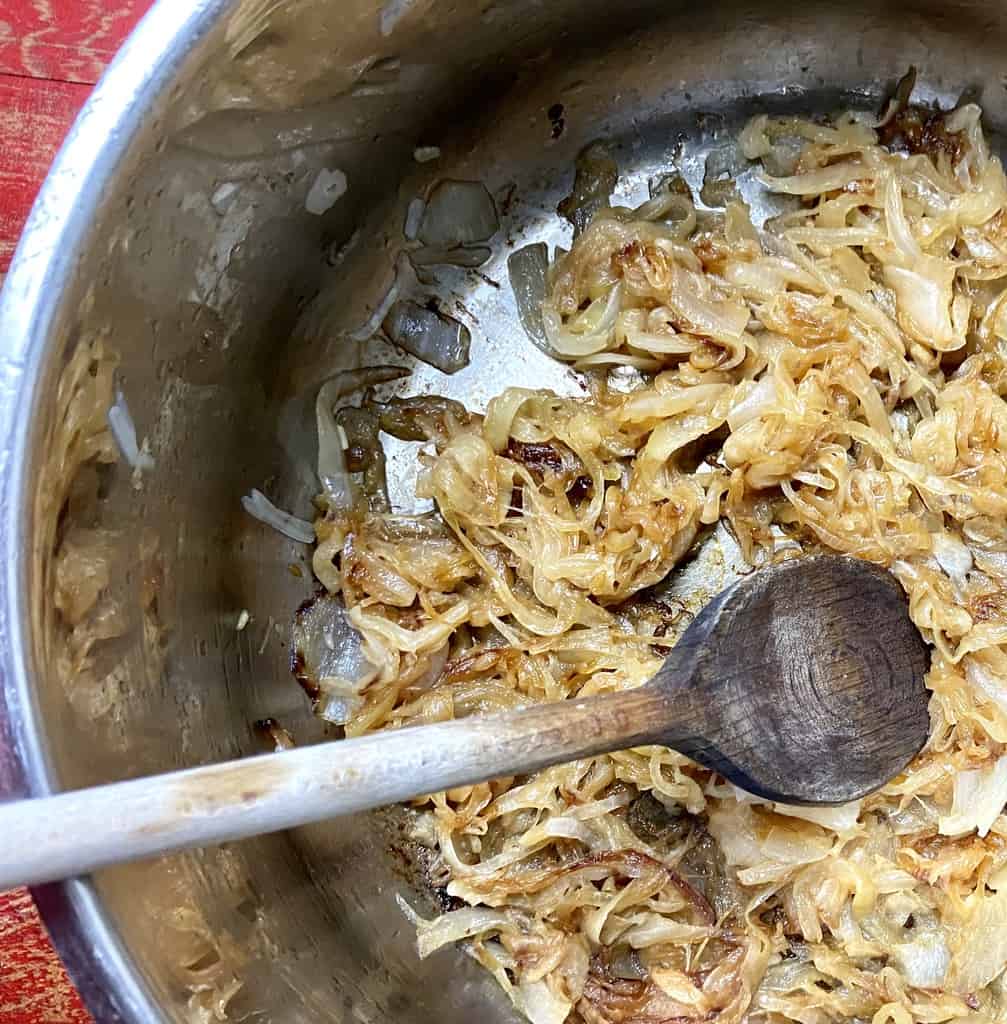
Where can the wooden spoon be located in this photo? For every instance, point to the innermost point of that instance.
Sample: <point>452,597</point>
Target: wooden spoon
<point>802,683</point>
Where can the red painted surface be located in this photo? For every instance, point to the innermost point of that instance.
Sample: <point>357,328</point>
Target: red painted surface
<point>34,988</point>
<point>34,118</point>
<point>51,53</point>
<point>64,40</point>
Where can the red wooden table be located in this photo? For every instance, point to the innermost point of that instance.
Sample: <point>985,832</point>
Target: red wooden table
<point>51,54</point>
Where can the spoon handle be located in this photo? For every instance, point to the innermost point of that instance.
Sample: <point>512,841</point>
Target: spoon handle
<point>74,833</point>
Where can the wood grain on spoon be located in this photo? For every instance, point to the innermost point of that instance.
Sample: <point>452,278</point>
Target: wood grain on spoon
<point>803,683</point>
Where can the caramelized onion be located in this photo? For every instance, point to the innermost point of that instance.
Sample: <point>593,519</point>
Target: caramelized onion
<point>833,380</point>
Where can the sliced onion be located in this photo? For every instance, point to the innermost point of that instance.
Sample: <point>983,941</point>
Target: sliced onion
<point>558,827</point>
<point>332,472</point>
<point>964,118</point>
<point>979,798</point>
<point>328,189</point>
<point>618,360</point>
<point>442,341</point>
<point>587,332</point>
<point>407,911</point>
<point>459,924</point>
<point>753,140</point>
<point>719,192</point>
<point>663,344</point>
<point>670,201</point>
<point>435,669</point>
<point>458,213</point>
<point>328,658</point>
<point>982,948</point>
<point>336,705</point>
<point>993,563</point>
<point>991,685</point>
<point>738,226</point>
<point>924,297</point>
<point>783,157</point>
<point>722,166</point>
<point>723,320</point>
<point>271,730</point>
<point>120,422</point>
<point>414,215</point>
<point>541,1004</point>
<point>759,398</point>
<point>595,180</point>
<point>826,179</point>
<point>841,819</point>
<point>500,415</point>
<point>528,268</point>
<point>655,930</point>
<point>900,99</point>
<point>257,505</point>
<point>404,275</point>
<point>899,230</point>
<point>953,556</point>
<point>470,256</point>
<point>924,962</point>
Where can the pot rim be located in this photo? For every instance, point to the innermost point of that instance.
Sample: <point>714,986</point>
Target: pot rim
<point>32,301</point>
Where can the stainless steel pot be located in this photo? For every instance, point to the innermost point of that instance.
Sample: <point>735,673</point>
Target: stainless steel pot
<point>175,224</point>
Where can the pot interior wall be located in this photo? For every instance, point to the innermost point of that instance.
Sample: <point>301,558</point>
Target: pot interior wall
<point>229,302</point>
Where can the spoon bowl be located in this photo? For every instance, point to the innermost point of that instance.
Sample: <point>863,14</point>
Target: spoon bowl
<point>802,683</point>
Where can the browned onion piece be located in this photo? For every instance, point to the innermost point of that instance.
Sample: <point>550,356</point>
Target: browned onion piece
<point>327,658</point>
<point>594,181</point>
<point>458,213</point>
<point>437,339</point>
<point>528,268</point>
<point>332,471</point>
<point>365,454</point>
<point>422,418</point>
